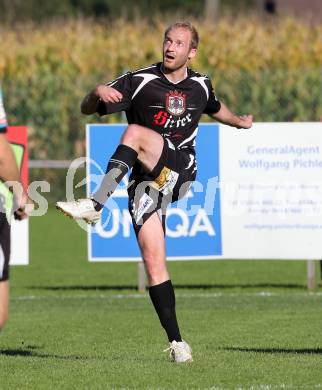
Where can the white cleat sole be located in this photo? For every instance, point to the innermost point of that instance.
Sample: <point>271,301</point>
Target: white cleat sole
<point>89,222</point>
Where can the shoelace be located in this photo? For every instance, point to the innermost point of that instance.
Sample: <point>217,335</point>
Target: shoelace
<point>173,348</point>
<point>171,351</point>
<point>177,353</point>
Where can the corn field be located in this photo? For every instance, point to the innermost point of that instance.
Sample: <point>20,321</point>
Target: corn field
<point>270,69</point>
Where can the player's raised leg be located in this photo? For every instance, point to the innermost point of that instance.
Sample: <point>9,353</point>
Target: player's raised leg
<point>4,303</point>
<point>137,143</point>
<point>5,241</point>
<point>152,245</point>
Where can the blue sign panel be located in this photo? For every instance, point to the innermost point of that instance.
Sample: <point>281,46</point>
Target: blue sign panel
<point>193,223</point>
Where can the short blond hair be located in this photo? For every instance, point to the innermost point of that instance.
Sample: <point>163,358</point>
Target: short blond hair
<point>188,26</point>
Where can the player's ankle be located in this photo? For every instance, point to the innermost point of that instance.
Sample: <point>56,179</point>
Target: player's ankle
<point>97,206</point>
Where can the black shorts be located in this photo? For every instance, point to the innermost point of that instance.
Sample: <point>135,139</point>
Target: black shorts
<point>4,247</point>
<point>151,192</point>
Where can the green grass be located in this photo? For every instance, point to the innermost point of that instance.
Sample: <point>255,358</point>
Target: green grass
<point>77,325</point>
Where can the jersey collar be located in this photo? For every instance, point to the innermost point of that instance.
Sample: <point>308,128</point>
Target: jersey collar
<point>171,82</point>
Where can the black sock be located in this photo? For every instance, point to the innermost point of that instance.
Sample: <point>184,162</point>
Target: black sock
<point>120,163</point>
<point>163,298</point>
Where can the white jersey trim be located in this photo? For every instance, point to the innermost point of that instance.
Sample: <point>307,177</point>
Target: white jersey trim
<point>148,67</point>
<point>192,160</point>
<point>111,83</point>
<point>201,81</point>
<point>193,135</point>
<point>176,82</point>
<point>147,77</point>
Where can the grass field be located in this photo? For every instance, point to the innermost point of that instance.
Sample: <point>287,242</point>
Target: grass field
<point>76,325</point>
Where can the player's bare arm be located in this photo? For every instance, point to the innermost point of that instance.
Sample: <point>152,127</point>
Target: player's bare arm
<point>225,116</point>
<point>102,92</point>
<point>24,207</point>
<point>9,172</point>
<point>8,166</point>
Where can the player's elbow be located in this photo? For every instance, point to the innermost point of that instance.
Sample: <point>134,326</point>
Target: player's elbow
<point>85,109</point>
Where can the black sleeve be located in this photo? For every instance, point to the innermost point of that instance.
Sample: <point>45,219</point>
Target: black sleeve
<point>124,85</point>
<point>3,129</point>
<point>213,104</point>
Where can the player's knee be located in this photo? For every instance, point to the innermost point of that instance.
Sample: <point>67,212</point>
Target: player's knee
<point>132,134</point>
<point>148,258</point>
<point>155,267</point>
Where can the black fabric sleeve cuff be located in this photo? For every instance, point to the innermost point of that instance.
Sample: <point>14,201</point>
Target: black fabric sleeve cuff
<point>101,108</point>
<point>213,108</point>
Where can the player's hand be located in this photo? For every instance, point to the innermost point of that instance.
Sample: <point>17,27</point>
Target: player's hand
<point>24,207</point>
<point>246,122</point>
<point>108,94</point>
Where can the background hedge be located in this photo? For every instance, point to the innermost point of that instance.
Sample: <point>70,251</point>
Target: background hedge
<point>272,70</point>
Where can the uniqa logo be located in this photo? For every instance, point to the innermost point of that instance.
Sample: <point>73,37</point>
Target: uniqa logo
<point>178,224</point>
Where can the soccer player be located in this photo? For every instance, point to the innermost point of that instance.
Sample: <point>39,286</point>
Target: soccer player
<point>163,105</point>
<point>9,172</point>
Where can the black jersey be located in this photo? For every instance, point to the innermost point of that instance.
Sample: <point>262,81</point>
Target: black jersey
<point>173,110</point>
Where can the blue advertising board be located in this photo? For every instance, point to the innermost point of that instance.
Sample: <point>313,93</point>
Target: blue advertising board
<point>193,224</point>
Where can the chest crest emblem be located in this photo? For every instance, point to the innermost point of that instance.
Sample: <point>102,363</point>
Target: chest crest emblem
<point>175,103</point>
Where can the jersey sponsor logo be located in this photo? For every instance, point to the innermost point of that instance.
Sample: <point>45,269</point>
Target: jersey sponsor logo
<point>162,118</point>
<point>176,103</point>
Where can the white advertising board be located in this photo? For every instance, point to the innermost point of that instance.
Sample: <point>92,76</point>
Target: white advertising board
<point>271,191</point>
<point>19,242</point>
<point>258,195</point>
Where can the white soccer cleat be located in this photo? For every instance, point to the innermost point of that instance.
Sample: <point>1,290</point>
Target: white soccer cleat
<point>180,352</point>
<point>80,209</point>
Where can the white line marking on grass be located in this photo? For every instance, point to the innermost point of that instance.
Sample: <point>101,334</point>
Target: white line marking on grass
<point>133,296</point>
<point>253,387</point>
<point>260,387</point>
<point>265,387</point>
<point>262,294</point>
